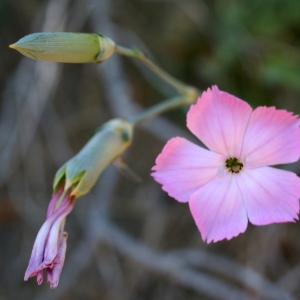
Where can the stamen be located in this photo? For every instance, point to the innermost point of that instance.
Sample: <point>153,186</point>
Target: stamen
<point>234,165</point>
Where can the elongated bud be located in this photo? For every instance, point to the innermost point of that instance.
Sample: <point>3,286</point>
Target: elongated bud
<point>67,47</point>
<point>82,171</point>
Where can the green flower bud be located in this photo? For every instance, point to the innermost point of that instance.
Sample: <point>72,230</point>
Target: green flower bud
<point>67,47</point>
<point>82,171</point>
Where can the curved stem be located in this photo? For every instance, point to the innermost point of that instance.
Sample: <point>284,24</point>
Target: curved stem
<point>159,108</point>
<point>137,54</point>
<point>156,110</point>
<point>188,94</point>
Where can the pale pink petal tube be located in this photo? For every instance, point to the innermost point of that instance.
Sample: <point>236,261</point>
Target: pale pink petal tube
<point>53,274</point>
<point>219,120</point>
<point>183,167</point>
<point>272,137</point>
<point>53,202</point>
<point>270,195</point>
<point>218,209</point>
<point>37,254</point>
<point>54,239</point>
<point>50,244</point>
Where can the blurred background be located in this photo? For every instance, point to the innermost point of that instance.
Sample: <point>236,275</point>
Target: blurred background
<point>127,239</point>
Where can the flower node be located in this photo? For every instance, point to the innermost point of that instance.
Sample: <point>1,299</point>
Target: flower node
<point>234,165</point>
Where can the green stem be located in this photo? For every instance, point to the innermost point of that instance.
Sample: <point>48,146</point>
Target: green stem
<point>188,94</point>
<point>158,109</point>
<point>137,54</point>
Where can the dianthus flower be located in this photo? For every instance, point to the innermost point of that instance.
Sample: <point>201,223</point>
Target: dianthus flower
<point>232,181</point>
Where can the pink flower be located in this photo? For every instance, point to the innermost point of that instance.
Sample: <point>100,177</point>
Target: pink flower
<point>233,182</point>
<point>50,245</point>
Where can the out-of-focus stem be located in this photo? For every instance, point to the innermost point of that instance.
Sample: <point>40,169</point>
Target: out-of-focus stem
<point>159,108</point>
<point>188,94</point>
<point>141,56</point>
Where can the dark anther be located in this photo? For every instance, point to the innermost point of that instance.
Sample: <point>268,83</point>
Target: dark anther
<point>234,165</point>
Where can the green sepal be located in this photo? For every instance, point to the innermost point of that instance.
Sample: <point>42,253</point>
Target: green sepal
<point>59,178</point>
<point>76,179</point>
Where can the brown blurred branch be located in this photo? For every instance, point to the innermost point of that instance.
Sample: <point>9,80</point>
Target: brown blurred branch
<point>30,94</point>
<point>167,265</point>
<point>228,268</point>
<point>290,280</point>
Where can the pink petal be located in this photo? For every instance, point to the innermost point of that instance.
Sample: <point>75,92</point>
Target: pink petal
<point>51,247</point>
<point>40,277</point>
<point>54,273</point>
<point>45,246</point>
<point>183,167</point>
<point>272,137</point>
<point>55,236</point>
<point>37,254</point>
<point>53,201</point>
<point>218,209</point>
<point>219,120</point>
<point>270,195</point>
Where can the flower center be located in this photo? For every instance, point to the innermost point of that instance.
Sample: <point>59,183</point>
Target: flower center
<point>234,165</point>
